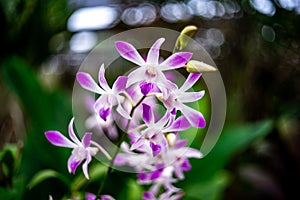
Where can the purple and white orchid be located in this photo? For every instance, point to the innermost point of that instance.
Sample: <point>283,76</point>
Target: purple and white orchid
<point>177,98</point>
<point>146,103</point>
<point>152,138</point>
<point>109,96</point>
<point>82,150</point>
<point>151,71</point>
<point>160,171</point>
<point>173,162</point>
<point>96,123</point>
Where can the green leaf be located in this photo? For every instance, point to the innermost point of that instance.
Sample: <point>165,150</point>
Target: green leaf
<point>15,192</point>
<point>44,175</point>
<point>44,111</point>
<point>207,179</point>
<point>232,140</point>
<point>13,148</point>
<point>22,80</point>
<point>134,190</point>
<point>131,190</point>
<point>210,189</point>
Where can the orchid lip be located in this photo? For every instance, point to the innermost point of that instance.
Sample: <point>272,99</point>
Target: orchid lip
<point>146,87</point>
<point>104,113</point>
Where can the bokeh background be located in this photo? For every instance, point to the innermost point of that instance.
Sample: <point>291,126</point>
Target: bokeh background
<point>254,43</point>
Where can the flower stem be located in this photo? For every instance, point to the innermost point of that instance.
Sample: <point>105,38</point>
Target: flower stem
<point>123,133</point>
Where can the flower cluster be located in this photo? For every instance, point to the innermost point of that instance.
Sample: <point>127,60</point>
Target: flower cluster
<point>153,147</point>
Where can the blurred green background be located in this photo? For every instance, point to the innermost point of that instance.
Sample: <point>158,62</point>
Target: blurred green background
<point>255,44</point>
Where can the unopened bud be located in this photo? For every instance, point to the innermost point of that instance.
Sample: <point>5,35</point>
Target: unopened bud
<point>184,38</point>
<point>195,66</point>
<point>189,30</point>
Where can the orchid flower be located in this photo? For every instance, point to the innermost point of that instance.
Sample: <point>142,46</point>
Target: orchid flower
<point>161,171</point>
<point>178,97</point>
<point>109,96</point>
<point>95,122</point>
<point>174,161</point>
<point>151,71</point>
<point>152,137</point>
<point>154,150</point>
<point>166,181</point>
<point>139,161</point>
<point>178,155</point>
<point>82,150</point>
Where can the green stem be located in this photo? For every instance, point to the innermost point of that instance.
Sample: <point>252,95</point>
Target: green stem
<point>123,133</point>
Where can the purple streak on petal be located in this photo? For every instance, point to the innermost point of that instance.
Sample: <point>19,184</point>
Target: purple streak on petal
<point>85,165</point>
<point>86,140</point>
<point>194,117</point>
<point>73,164</point>
<point>146,87</point>
<point>170,76</point>
<point>57,139</point>
<point>120,159</point>
<point>104,112</point>
<point>180,124</point>
<point>139,142</point>
<point>164,143</point>
<point>132,141</point>
<point>176,60</point>
<point>187,97</point>
<point>153,54</point>
<point>148,196</point>
<point>156,148</point>
<point>147,114</point>
<point>155,174</point>
<point>186,166</point>
<point>142,176</point>
<point>72,133</point>
<point>160,166</point>
<point>128,52</point>
<point>190,81</point>
<point>120,84</point>
<point>88,83</point>
<point>180,143</point>
<point>102,79</point>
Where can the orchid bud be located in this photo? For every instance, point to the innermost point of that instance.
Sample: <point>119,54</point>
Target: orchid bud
<point>195,66</point>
